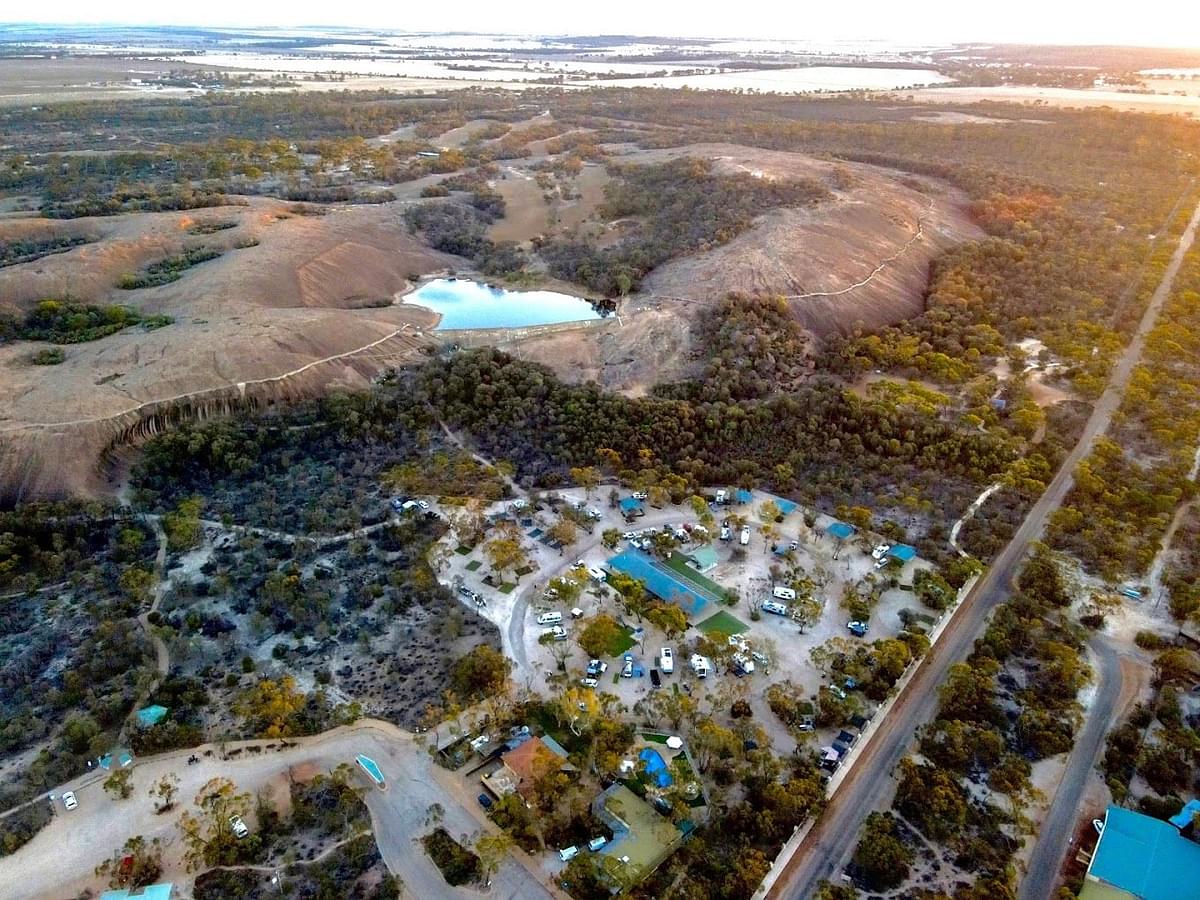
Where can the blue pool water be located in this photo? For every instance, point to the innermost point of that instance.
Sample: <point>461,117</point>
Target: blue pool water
<point>370,767</point>
<point>469,304</point>
<point>656,767</point>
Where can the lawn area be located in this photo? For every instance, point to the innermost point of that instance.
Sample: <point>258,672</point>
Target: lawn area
<point>473,565</point>
<point>621,644</point>
<point>524,570</point>
<point>722,623</point>
<point>507,587</point>
<point>654,737</point>
<point>678,564</point>
<point>462,549</point>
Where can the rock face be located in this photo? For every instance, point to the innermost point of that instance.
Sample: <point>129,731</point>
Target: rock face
<point>288,318</point>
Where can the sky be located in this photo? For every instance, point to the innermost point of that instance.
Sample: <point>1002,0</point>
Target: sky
<point>1170,23</point>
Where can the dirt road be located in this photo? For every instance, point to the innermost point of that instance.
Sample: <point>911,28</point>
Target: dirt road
<point>1059,823</point>
<point>829,845</point>
<point>65,852</point>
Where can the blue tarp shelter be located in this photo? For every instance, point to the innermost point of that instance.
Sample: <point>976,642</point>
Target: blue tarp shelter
<point>903,552</point>
<point>631,506</point>
<point>149,892</point>
<point>840,530</point>
<point>743,496</point>
<point>787,507</point>
<point>151,715</point>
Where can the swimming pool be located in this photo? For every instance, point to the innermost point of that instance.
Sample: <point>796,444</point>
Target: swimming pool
<point>656,767</point>
<point>469,304</point>
<point>371,768</point>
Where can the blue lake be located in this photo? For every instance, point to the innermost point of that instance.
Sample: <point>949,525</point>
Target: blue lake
<point>469,304</point>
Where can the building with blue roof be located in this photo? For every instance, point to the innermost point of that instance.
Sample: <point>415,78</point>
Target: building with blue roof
<point>1187,815</point>
<point>149,892</point>
<point>1141,858</point>
<point>661,581</point>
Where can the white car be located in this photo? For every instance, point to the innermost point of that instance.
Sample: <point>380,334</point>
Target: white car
<point>69,800</point>
<point>589,682</point>
<point>639,495</point>
<point>666,660</point>
<point>627,669</point>
<point>568,853</point>
<point>550,618</point>
<point>880,551</point>
<point>424,504</point>
<point>239,827</point>
<point>737,642</point>
<point>744,537</point>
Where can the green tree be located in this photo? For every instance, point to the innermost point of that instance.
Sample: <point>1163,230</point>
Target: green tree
<point>164,791</point>
<point>610,537</point>
<point>881,856</point>
<point>600,636</point>
<point>119,784</point>
<point>207,834</point>
<point>134,865</point>
<point>482,671</point>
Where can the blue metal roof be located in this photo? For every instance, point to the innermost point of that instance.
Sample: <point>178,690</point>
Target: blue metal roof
<point>840,530</point>
<point>629,504</point>
<point>1145,856</point>
<point>903,552</point>
<point>787,507</point>
<point>150,892</point>
<point>1184,816</point>
<point>659,581</point>
<point>743,496</point>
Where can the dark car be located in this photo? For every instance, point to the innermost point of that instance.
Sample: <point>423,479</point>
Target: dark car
<point>655,679</point>
<point>846,738</point>
<point>485,801</point>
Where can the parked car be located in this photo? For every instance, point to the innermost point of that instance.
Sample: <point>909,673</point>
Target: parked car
<point>726,533</point>
<point>880,551</point>
<point>589,682</point>
<point>69,800</point>
<point>566,854</point>
<point>640,495</point>
<point>596,667</point>
<point>666,660</point>
<point>774,608</point>
<point>783,593</point>
<point>424,504</point>
<point>239,827</point>
<point>655,678</point>
<point>857,628</point>
<point>596,843</point>
<point>478,743</point>
<point>627,669</point>
<point>485,801</point>
<point>741,664</point>
<point>700,665</point>
<point>744,538</point>
<point>550,618</point>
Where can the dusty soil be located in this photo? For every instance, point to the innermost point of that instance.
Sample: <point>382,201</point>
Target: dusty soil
<point>862,250</point>
<point>269,313</point>
<point>826,259</point>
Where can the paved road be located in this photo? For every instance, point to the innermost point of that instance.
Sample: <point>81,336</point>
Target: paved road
<point>1057,828</point>
<point>829,845</point>
<point>64,853</point>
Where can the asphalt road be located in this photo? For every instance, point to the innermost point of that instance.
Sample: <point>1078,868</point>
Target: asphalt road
<point>63,854</point>
<point>869,786</point>
<point>1058,826</point>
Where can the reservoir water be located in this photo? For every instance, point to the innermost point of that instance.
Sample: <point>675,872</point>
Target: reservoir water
<point>469,304</point>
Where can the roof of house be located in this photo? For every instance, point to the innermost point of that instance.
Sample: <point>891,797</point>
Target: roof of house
<point>150,892</point>
<point>705,557</point>
<point>533,759</point>
<point>642,838</point>
<point>1144,856</point>
<point>151,715</point>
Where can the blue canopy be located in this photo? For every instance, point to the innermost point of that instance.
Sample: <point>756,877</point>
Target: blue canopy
<point>743,496</point>
<point>840,530</point>
<point>903,552</point>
